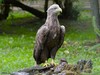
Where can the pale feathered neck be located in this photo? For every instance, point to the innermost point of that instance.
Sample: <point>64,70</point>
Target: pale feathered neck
<point>51,19</point>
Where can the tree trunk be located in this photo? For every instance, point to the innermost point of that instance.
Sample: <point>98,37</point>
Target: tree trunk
<point>27,8</point>
<point>16,3</point>
<point>67,7</point>
<point>67,11</point>
<point>46,5</point>
<point>95,9</point>
<point>5,11</point>
<point>59,2</point>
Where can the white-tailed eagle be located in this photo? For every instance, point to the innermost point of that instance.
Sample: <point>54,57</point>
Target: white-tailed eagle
<point>49,37</point>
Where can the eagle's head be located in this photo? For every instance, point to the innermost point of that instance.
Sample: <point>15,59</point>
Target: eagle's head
<point>54,9</point>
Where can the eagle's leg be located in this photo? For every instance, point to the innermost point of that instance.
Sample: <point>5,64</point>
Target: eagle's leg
<point>46,64</point>
<point>53,53</point>
<point>53,62</point>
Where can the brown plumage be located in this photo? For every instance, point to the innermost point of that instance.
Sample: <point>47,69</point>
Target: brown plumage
<point>50,36</point>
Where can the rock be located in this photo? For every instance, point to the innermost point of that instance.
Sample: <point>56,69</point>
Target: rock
<point>88,67</point>
<point>75,68</point>
<point>87,70</point>
<point>20,73</point>
<point>63,60</point>
<point>60,67</point>
<point>42,69</point>
<point>81,64</point>
<point>63,68</point>
<point>88,64</point>
<point>49,73</point>
<point>69,67</point>
<point>85,65</point>
<point>65,72</point>
<point>28,70</point>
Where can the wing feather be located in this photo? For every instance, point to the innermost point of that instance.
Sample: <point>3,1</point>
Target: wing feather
<point>61,40</point>
<point>41,38</point>
<point>62,34</point>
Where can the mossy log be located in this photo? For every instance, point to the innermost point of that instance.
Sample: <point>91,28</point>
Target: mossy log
<point>63,68</point>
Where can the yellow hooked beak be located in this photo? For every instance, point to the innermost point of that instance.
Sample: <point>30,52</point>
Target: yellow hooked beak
<point>59,11</point>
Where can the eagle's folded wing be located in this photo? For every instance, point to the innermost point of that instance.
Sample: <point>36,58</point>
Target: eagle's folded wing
<point>41,38</point>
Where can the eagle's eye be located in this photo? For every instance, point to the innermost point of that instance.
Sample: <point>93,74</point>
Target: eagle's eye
<point>55,8</point>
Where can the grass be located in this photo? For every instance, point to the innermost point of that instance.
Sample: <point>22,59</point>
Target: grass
<point>16,52</point>
<point>17,40</point>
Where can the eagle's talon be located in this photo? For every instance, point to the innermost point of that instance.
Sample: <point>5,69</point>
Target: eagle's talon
<point>46,64</point>
<point>53,63</point>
